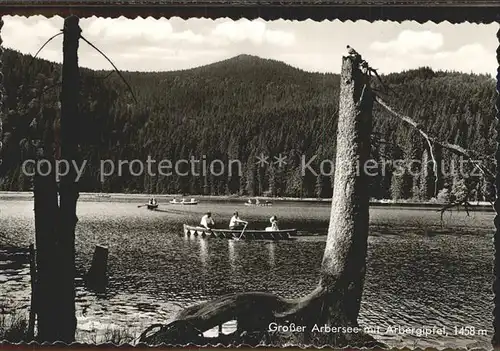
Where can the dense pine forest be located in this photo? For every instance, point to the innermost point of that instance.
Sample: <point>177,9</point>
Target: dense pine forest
<point>241,108</point>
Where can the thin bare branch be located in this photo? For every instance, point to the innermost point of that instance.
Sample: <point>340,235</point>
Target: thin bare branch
<point>106,76</point>
<point>456,149</point>
<point>462,202</point>
<point>385,87</point>
<point>45,44</point>
<point>111,62</point>
<point>434,164</point>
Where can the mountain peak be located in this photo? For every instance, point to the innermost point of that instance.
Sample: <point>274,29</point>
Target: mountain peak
<point>247,57</point>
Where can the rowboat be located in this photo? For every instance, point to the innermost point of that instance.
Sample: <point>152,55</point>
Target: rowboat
<point>191,202</point>
<point>152,207</point>
<point>259,204</point>
<point>284,234</point>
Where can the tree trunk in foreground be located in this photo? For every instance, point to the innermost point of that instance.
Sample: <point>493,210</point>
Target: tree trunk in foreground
<point>344,259</point>
<point>68,186</point>
<point>336,300</point>
<point>55,222</point>
<point>46,209</point>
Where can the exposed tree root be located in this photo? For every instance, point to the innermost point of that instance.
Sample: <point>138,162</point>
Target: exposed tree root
<point>254,312</point>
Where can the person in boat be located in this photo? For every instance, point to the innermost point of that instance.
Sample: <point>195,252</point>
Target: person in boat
<point>257,202</point>
<point>249,201</point>
<point>236,222</point>
<point>152,201</point>
<point>274,224</point>
<point>207,221</point>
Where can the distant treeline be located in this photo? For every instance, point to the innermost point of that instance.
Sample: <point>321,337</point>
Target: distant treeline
<point>239,109</point>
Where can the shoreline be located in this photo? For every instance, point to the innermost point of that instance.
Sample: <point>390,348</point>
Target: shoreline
<point>111,197</point>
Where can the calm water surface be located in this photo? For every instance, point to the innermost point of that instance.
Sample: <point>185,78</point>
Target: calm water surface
<point>412,279</point>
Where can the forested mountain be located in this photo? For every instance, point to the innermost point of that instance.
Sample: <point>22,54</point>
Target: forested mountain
<point>238,109</point>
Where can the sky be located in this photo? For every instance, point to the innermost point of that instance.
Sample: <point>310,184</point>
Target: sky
<point>172,44</point>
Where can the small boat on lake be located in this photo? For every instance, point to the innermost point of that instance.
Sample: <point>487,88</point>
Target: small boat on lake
<point>258,203</point>
<point>284,234</point>
<point>152,204</point>
<point>183,202</point>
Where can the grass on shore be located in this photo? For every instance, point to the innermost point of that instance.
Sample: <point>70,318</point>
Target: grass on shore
<point>14,329</point>
<point>117,336</point>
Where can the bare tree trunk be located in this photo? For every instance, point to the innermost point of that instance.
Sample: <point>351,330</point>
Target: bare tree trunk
<point>55,222</point>
<point>344,260</point>
<point>46,210</point>
<point>68,186</point>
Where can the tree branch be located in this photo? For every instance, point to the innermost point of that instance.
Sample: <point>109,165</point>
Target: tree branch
<point>111,62</point>
<point>456,149</point>
<point>464,201</point>
<point>48,41</point>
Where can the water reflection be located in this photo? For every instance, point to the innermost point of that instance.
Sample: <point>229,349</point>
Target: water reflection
<point>203,251</point>
<point>270,248</point>
<point>231,254</point>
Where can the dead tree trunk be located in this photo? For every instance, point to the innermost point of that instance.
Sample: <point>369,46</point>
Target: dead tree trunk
<point>46,216</point>
<point>55,222</point>
<point>68,186</point>
<point>344,260</point>
<point>336,300</point>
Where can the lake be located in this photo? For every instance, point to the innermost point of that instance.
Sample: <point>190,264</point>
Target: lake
<point>412,280</point>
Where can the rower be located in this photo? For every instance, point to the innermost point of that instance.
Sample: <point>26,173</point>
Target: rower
<point>236,222</point>
<point>207,221</point>
<point>274,224</point>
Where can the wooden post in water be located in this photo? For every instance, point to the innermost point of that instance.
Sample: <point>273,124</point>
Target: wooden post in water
<point>97,277</point>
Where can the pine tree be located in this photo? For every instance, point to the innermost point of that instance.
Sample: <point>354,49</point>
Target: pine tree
<point>426,178</point>
<point>250,171</point>
<point>319,186</point>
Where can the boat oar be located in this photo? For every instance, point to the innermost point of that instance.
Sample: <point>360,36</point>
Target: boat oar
<point>244,227</point>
